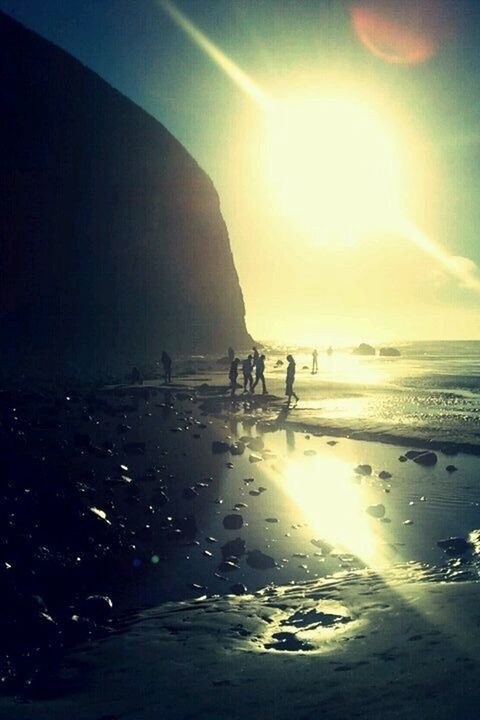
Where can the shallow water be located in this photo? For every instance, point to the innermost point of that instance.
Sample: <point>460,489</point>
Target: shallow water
<point>312,493</point>
<point>432,390</point>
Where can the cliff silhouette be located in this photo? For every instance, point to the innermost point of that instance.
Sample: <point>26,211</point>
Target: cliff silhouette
<point>113,243</point>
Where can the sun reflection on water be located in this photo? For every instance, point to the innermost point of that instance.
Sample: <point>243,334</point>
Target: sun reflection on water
<point>334,504</point>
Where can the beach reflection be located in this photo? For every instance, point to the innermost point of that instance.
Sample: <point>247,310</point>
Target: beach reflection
<point>333,503</point>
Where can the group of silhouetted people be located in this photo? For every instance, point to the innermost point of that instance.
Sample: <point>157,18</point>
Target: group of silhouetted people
<point>255,363</point>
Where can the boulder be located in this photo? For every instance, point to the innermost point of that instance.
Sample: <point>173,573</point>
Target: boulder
<point>364,349</point>
<point>389,352</point>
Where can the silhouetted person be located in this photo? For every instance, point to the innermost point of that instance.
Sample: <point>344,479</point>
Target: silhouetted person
<point>167,367</point>
<point>330,350</point>
<point>255,357</point>
<point>136,376</point>
<point>231,355</point>
<point>314,362</point>
<point>260,374</point>
<point>290,379</point>
<point>247,374</point>
<point>233,375</point>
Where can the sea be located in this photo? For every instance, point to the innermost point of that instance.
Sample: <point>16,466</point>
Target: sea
<point>431,391</point>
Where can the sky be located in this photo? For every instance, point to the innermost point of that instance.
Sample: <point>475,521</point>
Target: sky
<point>350,194</point>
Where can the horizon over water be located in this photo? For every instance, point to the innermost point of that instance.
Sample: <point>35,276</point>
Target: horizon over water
<point>431,392</point>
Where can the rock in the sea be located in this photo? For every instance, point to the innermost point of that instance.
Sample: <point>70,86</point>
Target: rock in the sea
<point>256,443</point>
<point>234,548</point>
<point>426,459</point>
<point>258,560</point>
<point>219,447</point>
<point>233,522</point>
<point>389,352</point>
<point>97,608</point>
<point>238,589</point>
<point>363,469</point>
<point>255,458</point>
<point>364,349</point>
<point>384,475</point>
<point>454,545</point>
<point>451,468</point>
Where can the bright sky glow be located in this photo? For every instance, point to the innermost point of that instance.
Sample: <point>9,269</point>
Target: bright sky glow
<point>334,166</point>
<point>334,171</point>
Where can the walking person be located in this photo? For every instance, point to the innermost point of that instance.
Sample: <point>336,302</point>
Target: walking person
<point>255,357</point>
<point>314,362</point>
<point>167,367</point>
<point>247,374</point>
<point>290,380</point>
<point>233,375</point>
<point>260,374</point>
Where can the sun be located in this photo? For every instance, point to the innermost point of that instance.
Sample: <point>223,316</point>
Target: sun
<point>333,166</point>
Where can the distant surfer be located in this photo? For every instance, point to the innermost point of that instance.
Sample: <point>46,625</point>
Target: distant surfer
<point>167,367</point>
<point>290,379</point>
<point>314,362</point>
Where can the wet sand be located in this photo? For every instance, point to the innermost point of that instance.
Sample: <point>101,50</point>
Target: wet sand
<point>249,504</point>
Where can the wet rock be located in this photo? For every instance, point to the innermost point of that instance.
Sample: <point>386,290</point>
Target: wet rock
<point>451,468</point>
<point>249,480</point>
<point>384,475</point>
<point>219,447</point>
<point>259,560</point>
<point>363,470</point>
<point>238,589</point>
<point>376,511</point>
<point>228,566</point>
<point>364,349</point>
<point>233,522</point>
<point>271,520</point>
<point>254,493</point>
<point>256,444</point>
<point>134,448</point>
<point>97,607</point>
<point>255,458</point>
<point>207,553</point>
<point>123,428</point>
<point>426,459</point>
<point>402,459</point>
<point>454,545</point>
<point>159,498</point>
<point>190,493</point>
<point>389,352</point>
<point>309,453</point>
<point>325,547</point>
<point>233,548</point>
<point>332,442</point>
<point>237,448</point>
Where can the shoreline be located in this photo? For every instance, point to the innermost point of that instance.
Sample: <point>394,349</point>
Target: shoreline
<point>179,488</point>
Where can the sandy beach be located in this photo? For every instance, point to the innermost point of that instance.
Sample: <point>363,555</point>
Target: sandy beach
<point>257,547</point>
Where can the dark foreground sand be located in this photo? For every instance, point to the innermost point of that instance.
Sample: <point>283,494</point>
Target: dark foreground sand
<point>363,614</point>
<point>380,647</point>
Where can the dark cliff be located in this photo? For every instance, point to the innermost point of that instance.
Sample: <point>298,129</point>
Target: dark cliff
<point>112,241</point>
